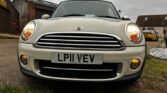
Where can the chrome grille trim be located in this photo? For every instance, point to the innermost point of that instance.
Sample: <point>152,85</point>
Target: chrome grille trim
<point>79,41</point>
<point>69,44</point>
<point>84,37</point>
<point>75,69</point>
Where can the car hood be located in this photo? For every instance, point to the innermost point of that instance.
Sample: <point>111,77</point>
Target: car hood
<point>86,24</point>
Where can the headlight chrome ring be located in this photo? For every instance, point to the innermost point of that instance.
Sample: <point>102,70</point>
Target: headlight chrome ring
<point>133,32</point>
<point>28,30</point>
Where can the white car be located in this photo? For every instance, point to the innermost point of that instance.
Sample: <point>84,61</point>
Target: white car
<point>82,41</point>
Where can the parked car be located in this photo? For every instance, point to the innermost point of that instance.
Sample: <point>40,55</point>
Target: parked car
<point>82,41</point>
<point>151,35</point>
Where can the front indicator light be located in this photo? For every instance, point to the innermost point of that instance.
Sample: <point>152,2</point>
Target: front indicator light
<point>135,63</point>
<point>28,33</point>
<point>134,37</point>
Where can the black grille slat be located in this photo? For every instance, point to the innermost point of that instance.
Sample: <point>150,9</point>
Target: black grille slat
<point>77,70</point>
<point>79,40</point>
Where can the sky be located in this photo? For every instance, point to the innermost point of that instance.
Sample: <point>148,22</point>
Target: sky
<point>133,8</point>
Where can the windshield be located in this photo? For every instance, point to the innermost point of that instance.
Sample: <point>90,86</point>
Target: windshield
<point>86,8</point>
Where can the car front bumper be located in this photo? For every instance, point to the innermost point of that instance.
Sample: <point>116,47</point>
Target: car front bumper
<point>123,58</point>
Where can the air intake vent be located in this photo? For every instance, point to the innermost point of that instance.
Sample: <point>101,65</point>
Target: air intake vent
<point>79,41</point>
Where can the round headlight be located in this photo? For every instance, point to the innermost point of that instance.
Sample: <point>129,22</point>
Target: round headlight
<point>28,30</point>
<point>133,33</point>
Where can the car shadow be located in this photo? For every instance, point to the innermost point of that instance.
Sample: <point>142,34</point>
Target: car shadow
<point>83,87</point>
<point>150,40</point>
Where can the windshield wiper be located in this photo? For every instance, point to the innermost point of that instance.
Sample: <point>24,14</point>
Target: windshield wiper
<point>108,17</point>
<point>73,15</point>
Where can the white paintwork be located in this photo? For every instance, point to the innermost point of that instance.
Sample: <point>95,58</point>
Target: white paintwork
<point>87,24</point>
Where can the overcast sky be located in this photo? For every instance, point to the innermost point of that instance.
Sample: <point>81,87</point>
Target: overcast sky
<point>133,8</point>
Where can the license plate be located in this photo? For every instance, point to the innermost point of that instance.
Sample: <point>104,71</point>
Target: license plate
<point>77,58</point>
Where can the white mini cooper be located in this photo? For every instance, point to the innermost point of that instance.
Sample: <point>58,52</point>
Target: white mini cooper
<point>82,41</point>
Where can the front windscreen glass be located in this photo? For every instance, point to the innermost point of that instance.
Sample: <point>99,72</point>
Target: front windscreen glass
<point>86,8</point>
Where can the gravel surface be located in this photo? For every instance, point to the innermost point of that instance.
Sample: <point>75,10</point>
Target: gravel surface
<point>9,68</point>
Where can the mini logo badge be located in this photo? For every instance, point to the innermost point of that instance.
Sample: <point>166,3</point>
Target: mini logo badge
<point>78,28</point>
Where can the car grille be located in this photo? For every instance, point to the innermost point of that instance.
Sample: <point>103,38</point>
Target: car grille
<point>79,41</point>
<point>103,71</point>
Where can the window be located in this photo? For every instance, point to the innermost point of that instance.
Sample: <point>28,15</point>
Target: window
<point>146,19</point>
<point>95,8</point>
<point>166,18</point>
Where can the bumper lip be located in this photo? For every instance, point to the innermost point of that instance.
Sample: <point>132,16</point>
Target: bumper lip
<point>124,78</point>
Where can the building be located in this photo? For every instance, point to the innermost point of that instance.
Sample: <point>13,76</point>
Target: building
<point>9,18</point>
<point>32,9</point>
<point>158,22</point>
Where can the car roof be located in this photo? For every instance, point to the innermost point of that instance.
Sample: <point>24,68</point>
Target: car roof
<point>148,30</point>
<point>86,0</point>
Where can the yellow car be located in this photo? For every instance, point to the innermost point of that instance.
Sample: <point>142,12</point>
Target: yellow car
<point>151,35</point>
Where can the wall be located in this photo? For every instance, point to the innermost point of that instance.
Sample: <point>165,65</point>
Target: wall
<point>22,8</point>
<point>9,18</point>
<point>15,28</point>
<point>4,20</point>
<point>159,30</point>
<point>29,10</point>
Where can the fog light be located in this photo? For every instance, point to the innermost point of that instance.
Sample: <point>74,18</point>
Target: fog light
<point>24,59</point>
<point>135,63</point>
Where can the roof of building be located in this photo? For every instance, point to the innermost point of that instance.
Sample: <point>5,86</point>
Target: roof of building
<point>152,20</point>
<point>43,3</point>
<point>8,5</point>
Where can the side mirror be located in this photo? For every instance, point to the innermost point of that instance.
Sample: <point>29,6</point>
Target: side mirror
<point>125,18</point>
<point>119,11</point>
<point>45,16</point>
